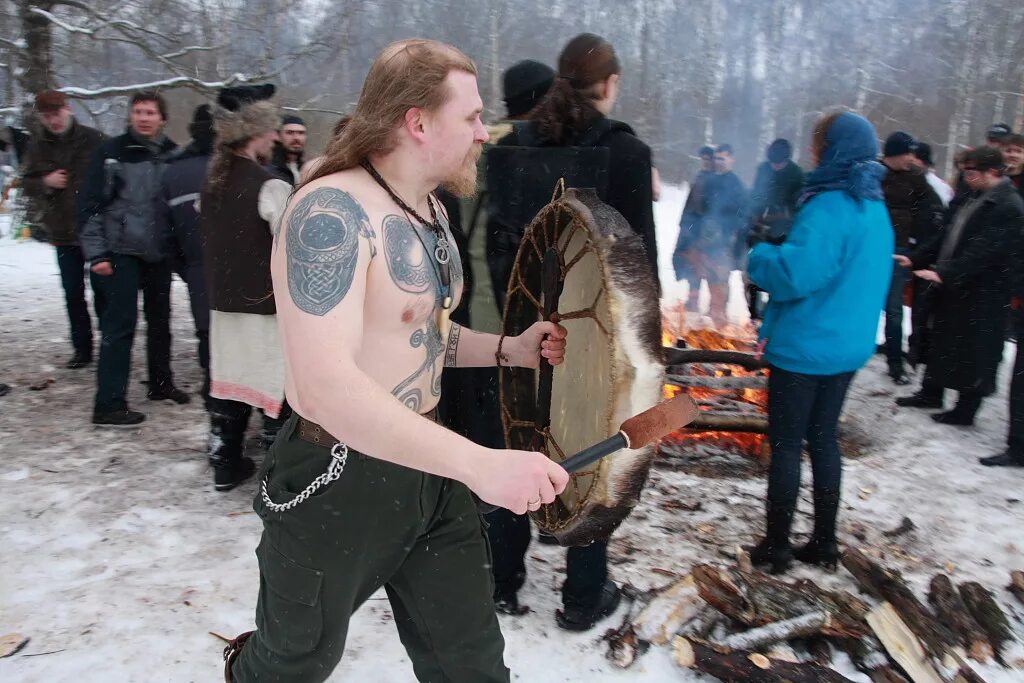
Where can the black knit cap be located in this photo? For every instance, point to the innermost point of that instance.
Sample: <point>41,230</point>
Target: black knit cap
<point>292,120</point>
<point>899,143</point>
<point>998,131</point>
<point>706,151</point>
<point>237,96</point>
<point>779,151</point>
<point>924,153</point>
<point>525,83</point>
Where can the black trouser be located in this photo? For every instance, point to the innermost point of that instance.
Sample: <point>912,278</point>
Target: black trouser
<point>71,263</point>
<point>117,323</point>
<point>806,408</point>
<point>416,535</point>
<point>586,567</point>
<point>967,403</point>
<point>1016,437</point>
<point>894,319</point>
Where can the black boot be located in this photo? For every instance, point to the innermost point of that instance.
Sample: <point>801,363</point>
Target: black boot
<point>1008,458</point>
<point>920,400</point>
<point>79,360</point>
<point>168,392</point>
<point>580,617</point>
<point>230,466</point>
<point>774,551</point>
<point>822,549</point>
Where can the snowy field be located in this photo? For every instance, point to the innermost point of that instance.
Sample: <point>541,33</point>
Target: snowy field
<point>119,559</point>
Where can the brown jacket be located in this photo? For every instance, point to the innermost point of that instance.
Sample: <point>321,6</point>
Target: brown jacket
<point>71,151</point>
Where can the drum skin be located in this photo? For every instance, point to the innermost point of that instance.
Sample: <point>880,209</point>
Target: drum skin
<point>614,365</point>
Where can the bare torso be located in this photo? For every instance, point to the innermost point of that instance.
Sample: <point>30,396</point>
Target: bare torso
<point>402,348</point>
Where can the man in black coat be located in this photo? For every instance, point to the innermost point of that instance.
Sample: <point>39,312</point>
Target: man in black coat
<point>177,215</point>
<point>689,224</point>
<point>969,266</point>
<point>55,171</point>
<point>916,213</point>
<point>773,202</point>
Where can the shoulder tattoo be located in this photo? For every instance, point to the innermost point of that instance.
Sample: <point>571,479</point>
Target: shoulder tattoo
<point>407,260</point>
<point>323,248</point>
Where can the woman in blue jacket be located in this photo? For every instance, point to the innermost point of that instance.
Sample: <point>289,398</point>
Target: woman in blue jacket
<point>827,284</point>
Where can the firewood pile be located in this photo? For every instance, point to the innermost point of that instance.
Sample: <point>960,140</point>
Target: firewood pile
<point>742,626</point>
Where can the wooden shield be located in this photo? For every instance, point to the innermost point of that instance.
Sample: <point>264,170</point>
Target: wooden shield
<point>614,366</point>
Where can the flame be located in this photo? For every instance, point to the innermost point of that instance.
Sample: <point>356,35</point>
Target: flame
<point>730,337</point>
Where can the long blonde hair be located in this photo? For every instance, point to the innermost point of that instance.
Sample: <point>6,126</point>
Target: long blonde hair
<point>407,74</point>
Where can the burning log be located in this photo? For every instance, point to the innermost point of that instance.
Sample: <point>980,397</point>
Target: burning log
<point>887,584</point>
<point>952,610</point>
<point>743,666</point>
<point>756,599</point>
<point>706,382</point>
<point>1017,585</point>
<point>674,356</point>
<point>989,615</point>
<point>712,421</point>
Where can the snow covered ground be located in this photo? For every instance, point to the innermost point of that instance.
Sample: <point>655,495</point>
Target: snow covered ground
<point>118,557</point>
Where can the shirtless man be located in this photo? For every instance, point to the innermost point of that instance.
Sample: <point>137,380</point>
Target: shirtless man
<point>363,273</point>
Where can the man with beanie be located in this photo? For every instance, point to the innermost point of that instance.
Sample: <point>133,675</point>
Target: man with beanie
<point>525,84</point>
<point>290,149</point>
<point>916,213</point>
<point>773,200</point>
<point>54,173</point>
<point>924,162</point>
<point>972,267</point>
<point>996,135</point>
<point>1013,154</point>
<point>239,209</point>
<point>177,215</point>
<point>121,241</point>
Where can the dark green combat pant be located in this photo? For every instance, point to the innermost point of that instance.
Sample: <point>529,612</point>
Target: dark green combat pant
<point>417,535</point>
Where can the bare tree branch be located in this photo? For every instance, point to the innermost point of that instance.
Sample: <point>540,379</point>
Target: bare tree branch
<point>166,84</point>
<point>190,49</point>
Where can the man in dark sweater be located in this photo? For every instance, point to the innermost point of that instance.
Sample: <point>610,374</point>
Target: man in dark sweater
<point>916,213</point>
<point>126,252</point>
<point>55,171</point>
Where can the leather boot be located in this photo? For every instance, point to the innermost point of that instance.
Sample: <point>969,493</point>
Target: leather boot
<point>774,551</point>
<point>822,549</point>
<point>226,452</point>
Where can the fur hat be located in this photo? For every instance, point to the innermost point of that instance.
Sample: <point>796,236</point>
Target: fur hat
<point>245,111</point>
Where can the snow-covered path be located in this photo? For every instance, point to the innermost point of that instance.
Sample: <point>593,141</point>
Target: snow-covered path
<point>118,557</point>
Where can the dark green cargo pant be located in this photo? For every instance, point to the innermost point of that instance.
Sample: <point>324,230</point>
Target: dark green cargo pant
<point>417,535</point>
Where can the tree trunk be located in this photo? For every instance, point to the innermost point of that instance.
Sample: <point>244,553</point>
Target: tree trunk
<point>1017,577</point>
<point>36,57</point>
<point>746,667</point>
<point>756,599</point>
<point>887,584</point>
<point>769,634</point>
<point>869,657</point>
<point>953,612</point>
<point>987,613</point>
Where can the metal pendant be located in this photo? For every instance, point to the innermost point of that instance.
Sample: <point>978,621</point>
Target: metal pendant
<point>441,251</point>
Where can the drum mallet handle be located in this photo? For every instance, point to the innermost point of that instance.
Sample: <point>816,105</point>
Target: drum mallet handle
<point>638,431</point>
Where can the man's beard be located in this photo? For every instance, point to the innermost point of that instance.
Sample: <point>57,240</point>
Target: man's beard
<point>462,183</point>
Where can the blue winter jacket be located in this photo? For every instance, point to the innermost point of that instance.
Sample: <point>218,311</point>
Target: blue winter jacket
<point>827,283</point>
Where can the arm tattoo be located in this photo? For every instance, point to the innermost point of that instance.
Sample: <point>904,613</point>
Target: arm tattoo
<point>453,346</point>
<point>323,248</point>
<point>407,261</point>
<point>430,338</point>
